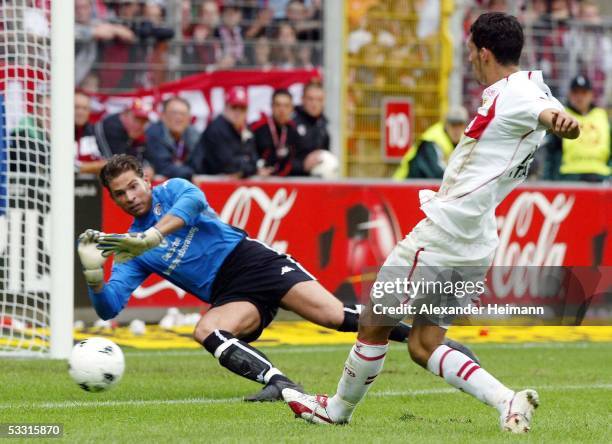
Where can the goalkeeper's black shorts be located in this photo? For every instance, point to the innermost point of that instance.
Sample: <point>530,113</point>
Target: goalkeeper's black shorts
<point>256,273</point>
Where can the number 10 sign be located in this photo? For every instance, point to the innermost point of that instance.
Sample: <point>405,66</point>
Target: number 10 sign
<point>397,127</point>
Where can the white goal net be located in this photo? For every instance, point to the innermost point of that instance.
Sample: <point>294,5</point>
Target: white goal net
<point>29,167</point>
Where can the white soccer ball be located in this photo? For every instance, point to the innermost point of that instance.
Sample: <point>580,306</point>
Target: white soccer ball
<point>327,168</point>
<point>96,364</point>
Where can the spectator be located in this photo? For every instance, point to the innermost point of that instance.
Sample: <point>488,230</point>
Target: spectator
<point>286,56</point>
<point>262,25</point>
<point>586,158</point>
<point>261,54</point>
<point>427,157</point>
<point>123,133</point>
<point>305,56</point>
<point>29,142</point>
<point>200,48</point>
<point>150,47</point>
<point>157,57</point>
<point>88,32</point>
<point>553,45</point>
<point>230,34</point>
<point>276,138</point>
<point>171,141</point>
<point>311,126</point>
<point>88,159</point>
<point>226,147</point>
<point>298,17</point>
<point>590,47</point>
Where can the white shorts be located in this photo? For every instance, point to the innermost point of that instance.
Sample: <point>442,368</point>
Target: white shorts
<point>425,250</point>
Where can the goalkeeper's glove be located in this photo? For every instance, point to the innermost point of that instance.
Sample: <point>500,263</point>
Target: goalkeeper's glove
<point>129,245</point>
<point>92,259</point>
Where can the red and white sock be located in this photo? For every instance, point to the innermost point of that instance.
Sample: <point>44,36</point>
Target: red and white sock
<point>463,373</point>
<point>364,363</point>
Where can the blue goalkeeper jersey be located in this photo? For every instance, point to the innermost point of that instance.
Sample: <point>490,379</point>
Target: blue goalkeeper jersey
<point>189,258</point>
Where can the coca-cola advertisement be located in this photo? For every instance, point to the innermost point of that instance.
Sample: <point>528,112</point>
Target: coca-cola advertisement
<point>342,231</point>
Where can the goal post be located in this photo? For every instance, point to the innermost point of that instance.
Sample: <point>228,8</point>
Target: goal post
<point>62,177</point>
<point>37,240</point>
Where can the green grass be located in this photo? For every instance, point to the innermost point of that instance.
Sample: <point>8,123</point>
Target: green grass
<point>574,382</point>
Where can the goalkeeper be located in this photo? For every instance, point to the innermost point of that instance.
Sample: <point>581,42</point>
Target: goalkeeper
<point>178,236</point>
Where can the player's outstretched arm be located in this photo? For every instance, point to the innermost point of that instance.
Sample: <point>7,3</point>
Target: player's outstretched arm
<point>560,123</point>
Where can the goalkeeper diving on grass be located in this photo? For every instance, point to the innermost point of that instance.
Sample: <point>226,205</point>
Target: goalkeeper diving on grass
<point>178,236</point>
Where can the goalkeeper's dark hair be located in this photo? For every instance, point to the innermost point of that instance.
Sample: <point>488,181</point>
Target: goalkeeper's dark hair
<point>500,33</point>
<point>117,165</point>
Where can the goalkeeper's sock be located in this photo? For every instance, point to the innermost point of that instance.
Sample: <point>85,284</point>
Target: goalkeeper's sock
<point>364,363</point>
<point>351,318</point>
<point>240,358</point>
<point>463,373</point>
<point>351,323</point>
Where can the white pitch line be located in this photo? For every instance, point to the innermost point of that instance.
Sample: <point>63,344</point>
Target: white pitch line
<point>152,402</point>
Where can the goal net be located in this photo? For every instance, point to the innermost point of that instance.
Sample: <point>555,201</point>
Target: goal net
<point>36,175</point>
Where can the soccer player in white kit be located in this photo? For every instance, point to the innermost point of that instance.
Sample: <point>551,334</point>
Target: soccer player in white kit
<point>460,228</point>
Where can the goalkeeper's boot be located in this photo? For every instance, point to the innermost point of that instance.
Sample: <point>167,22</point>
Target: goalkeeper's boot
<point>272,391</point>
<point>312,408</point>
<point>516,417</point>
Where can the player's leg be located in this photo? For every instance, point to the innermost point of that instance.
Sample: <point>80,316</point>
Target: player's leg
<point>426,347</point>
<point>219,331</point>
<point>364,363</point>
<point>313,302</point>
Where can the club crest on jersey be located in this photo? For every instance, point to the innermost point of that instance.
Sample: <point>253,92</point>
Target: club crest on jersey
<point>157,209</point>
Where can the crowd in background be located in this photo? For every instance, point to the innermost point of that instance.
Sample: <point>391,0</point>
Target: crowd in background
<point>126,44</point>
<point>567,39</point>
<point>290,141</point>
<point>564,38</point>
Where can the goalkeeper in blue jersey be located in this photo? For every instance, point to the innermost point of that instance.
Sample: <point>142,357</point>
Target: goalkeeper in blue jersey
<point>178,236</point>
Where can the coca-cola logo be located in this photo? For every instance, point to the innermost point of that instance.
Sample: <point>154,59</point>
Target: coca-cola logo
<point>517,260</point>
<point>238,207</point>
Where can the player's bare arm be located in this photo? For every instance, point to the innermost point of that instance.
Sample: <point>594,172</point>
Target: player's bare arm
<point>560,123</point>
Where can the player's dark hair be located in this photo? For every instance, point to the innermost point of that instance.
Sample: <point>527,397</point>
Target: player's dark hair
<point>117,165</point>
<point>500,33</point>
<point>175,99</point>
<point>281,92</point>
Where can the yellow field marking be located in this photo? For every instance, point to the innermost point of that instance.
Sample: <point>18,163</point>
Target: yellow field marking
<point>306,333</point>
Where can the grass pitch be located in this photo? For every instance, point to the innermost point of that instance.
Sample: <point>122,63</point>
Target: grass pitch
<point>185,396</point>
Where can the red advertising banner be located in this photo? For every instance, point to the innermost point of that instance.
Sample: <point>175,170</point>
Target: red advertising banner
<point>397,127</point>
<point>342,231</point>
<point>205,92</point>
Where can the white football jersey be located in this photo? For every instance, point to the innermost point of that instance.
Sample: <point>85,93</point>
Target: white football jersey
<point>492,158</point>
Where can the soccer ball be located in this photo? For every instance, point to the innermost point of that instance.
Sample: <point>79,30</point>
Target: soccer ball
<point>327,168</point>
<point>96,364</point>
